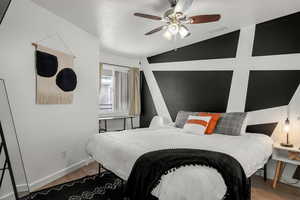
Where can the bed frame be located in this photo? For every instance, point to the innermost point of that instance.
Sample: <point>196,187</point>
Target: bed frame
<point>264,169</point>
<point>100,167</point>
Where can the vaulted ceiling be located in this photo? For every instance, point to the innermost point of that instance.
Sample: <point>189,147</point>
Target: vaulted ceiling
<point>122,33</point>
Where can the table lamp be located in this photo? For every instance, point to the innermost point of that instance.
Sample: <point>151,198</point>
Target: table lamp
<point>286,130</point>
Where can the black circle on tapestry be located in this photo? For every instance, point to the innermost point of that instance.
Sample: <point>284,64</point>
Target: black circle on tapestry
<point>46,64</point>
<point>66,80</point>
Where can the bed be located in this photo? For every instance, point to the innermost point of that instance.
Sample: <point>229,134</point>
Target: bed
<point>118,151</point>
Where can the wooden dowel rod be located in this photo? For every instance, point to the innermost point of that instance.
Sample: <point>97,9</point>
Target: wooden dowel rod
<point>36,45</point>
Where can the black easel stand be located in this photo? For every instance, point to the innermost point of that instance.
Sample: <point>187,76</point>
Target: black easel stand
<point>7,164</point>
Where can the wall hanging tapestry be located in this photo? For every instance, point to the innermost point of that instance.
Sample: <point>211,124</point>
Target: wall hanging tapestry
<point>55,78</point>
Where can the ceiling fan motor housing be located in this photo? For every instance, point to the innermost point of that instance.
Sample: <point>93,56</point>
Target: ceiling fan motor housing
<point>169,13</point>
<point>173,3</point>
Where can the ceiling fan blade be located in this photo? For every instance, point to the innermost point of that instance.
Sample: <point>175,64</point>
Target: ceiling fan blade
<point>147,16</point>
<point>199,19</point>
<point>156,30</point>
<point>183,5</point>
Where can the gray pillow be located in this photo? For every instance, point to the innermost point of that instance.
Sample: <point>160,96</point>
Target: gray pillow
<point>230,123</point>
<point>181,118</point>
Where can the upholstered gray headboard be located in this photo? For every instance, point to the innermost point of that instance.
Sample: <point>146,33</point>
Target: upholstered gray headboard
<point>266,129</point>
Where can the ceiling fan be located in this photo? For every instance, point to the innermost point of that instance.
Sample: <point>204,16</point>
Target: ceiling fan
<point>176,19</point>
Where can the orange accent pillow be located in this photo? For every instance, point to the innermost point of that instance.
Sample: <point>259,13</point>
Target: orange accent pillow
<point>197,121</point>
<point>212,122</point>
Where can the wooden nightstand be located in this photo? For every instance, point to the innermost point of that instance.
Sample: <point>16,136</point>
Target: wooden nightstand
<point>284,155</point>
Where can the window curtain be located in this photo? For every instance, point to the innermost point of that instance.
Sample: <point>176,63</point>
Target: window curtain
<point>121,92</point>
<point>134,91</point>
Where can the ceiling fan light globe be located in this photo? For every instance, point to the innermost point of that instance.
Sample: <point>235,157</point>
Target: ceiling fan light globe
<point>168,35</point>
<point>173,29</point>
<point>183,31</point>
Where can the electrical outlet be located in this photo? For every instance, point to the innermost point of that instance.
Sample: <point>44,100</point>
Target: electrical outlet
<point>64,154</point>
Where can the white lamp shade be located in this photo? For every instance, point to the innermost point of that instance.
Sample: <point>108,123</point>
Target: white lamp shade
<point>287,125</point>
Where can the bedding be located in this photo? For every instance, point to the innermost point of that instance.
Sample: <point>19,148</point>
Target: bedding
<point>149,168</point>
<point>222,123</point>
<point>181,118</point>
<point>157,122</point>
<point>196,125</point>
<point>213,121</point>
<point>118,151</point>
<point>231,123</point>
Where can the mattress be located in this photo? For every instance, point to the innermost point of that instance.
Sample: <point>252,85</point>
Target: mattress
<point>118,151</point>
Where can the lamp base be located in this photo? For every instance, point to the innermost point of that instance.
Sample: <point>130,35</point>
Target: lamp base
<point>287,145</point>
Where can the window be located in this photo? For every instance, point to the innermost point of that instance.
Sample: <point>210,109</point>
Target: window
<point>113,97</point>
<point>106,96</point>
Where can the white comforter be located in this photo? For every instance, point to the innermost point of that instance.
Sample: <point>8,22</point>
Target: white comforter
<point>118,151</point>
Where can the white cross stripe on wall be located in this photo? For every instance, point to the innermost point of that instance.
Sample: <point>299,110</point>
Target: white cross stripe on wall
<point>238,91</point>
<point>158,100</point>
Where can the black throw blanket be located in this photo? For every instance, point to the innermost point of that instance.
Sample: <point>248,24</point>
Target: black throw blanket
<point>148,169</point>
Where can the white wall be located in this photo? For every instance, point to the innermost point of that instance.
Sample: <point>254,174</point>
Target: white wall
<point>52,137</point>
<point>111,58</point>
<point>241,65</point>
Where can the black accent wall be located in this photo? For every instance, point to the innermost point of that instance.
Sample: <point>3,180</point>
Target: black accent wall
<point>206,91</point>
<point>267,89</point>
<point>278,36</point>
<point>224,46</point>
<point>209,90</point>
<point>148,110</point>
<point>266,129</point>
<point>4,4</point>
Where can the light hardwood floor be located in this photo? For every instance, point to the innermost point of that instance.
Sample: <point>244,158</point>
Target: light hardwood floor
<point>260,190</point>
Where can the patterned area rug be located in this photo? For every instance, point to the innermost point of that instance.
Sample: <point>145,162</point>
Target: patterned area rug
<point>105,186</point>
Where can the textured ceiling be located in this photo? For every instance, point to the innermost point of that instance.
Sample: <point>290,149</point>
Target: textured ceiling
<point>122,33</point>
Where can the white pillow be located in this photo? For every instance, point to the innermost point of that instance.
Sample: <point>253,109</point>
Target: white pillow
<point>196,124</point>
<point>244,126</point>
<point>157,122</point>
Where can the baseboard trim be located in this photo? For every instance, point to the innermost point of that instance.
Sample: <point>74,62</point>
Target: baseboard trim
<point>52,177</point>
<point>48,179</point>
<point>22,187</point>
